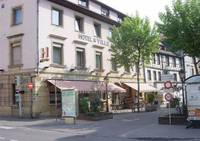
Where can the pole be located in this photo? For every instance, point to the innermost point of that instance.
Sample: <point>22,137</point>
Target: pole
<point>20,105</point>
<point>55,100</point>
<point>170,120</point>
<point>31,101</point>
<point>107,97</point>
<point>183,94</point>
<point>138,91</point>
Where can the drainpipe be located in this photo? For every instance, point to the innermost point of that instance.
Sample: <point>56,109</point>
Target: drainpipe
<point>37,38</point>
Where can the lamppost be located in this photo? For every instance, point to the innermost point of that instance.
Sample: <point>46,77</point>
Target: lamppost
<point>182,77</point>
<point>106,80</point>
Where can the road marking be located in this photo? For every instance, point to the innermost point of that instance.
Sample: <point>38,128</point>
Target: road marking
<point>2,138</point>
<point>13,140</point>
<point>6,127</point>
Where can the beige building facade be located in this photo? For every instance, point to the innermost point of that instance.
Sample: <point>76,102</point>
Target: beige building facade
<point>42,41</point>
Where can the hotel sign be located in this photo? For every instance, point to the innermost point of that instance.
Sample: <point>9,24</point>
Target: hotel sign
<point>93,40</point>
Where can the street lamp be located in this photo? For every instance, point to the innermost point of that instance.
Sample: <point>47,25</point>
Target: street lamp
<point>182,77</point>
<point>106,81</point>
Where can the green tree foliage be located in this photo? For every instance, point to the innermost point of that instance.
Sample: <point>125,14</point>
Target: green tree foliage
<point>133,42</point>
<point>180,26</point>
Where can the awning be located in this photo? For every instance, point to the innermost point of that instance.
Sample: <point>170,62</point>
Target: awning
<point>144,87</point>
<point>83,86</point>
<point>86,86</point>
<point>113,88</point>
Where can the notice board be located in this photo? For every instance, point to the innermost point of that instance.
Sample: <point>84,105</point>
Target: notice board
<point>69,103</point>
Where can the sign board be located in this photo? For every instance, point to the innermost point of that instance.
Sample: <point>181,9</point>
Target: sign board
<point>69,103</point>
<point>167,77</point>
<point>168,84</point>
<point>30,86</point>
<point>168,97</point>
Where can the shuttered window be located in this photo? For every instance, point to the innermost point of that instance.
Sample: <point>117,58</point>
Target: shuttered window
<point>16,53</point>
<point>57,53</point>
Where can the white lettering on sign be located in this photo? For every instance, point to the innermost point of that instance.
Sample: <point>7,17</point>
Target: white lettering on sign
<point>93,39</point>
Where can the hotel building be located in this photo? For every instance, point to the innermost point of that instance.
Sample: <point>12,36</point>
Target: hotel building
<point>55,44</point>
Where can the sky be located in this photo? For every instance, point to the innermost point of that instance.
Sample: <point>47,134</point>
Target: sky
<point>146,8</point>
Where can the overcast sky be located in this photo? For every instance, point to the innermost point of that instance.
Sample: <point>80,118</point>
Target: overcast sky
<point>148,8</point>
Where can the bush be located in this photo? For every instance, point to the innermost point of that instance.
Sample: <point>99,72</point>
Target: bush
<point>84,107</point>
<point>95,103</point>
<point>174,102</point>
<point>150,98</point>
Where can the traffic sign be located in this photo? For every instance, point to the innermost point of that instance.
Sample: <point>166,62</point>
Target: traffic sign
<point>168,97</point>
<point>168,84</point>
<point>30,86</point>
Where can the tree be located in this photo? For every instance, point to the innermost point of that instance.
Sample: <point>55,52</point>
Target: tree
<point>133,42</point>
<point>180,27</point>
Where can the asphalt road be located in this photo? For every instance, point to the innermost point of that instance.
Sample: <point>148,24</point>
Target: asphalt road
<point>124,127</point>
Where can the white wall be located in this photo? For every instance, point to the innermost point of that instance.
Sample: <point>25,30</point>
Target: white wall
<point>68,32</point>
<point>189,65</point>
<point>28,28</point>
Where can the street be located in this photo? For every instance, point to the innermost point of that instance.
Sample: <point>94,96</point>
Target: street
<point>126,127</point>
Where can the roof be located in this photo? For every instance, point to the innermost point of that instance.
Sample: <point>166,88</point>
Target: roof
<point>85,11</point>
<point>144,87</point>
<point>168,53</point>
<point>104,5</point>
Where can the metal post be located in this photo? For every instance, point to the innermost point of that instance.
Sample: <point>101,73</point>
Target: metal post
<point>31,101</point>
<point>107,109</point>
<point>55,100</point>
<point>170,118</point>
<point>20,106</point>
<point>183,94</point>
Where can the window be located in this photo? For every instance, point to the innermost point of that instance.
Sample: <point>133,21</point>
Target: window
<point>99,64</point>
<point>57,17</point>
<point>175,77</point>
<point>52,97</point>
<point>83,3</point>
<point>14,100</point>
<point>17,16</point>
<point>16,53</point>
<point>174,62</point>
<point>192,71</point>
<point>110,32</point>
<point>158,59</point>
<point>79,24</point>
<point>104,11</point>
<point>154,75</point>
<point>97,30</point>
<point>114,65</point>
<point>167,60</point>
<point>154,58</point>
<point>159,76</point>
<point>149,74</point>
<point>181,63</point>
<point>80,58</point>
<point>57,53</point>
<point>119,19</point>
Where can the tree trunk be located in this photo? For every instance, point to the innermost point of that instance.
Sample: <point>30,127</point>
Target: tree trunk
<point>195,65</point>
<point>138,90</point>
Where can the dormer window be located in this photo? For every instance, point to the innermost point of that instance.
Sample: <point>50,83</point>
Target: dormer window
<point>119,19</point>
<point>83,3</point>
<point>104,11</point>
